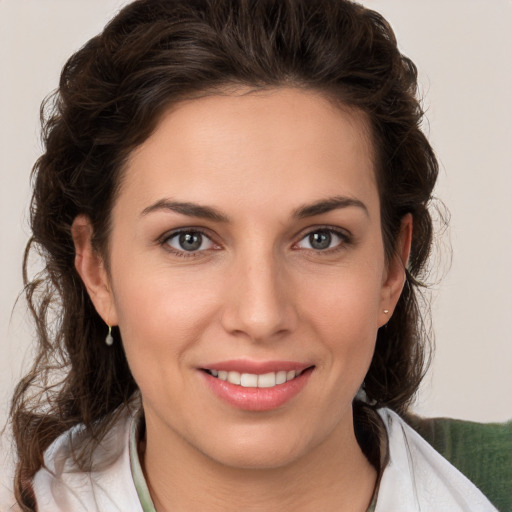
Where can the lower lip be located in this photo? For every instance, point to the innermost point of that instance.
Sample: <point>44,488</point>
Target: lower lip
<point>257,399</point>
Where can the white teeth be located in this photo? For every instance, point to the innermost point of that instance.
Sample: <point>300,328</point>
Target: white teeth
<point>234,378</point>
<point>281,377</point>
<point>251,380</point>
<point>267,380</point>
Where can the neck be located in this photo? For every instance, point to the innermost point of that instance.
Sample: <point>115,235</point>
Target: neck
<point>335,476</point>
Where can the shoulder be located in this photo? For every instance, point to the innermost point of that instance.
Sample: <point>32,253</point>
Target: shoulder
<point>418,478</point>
<point>481,451</point>
<point>105,484</point>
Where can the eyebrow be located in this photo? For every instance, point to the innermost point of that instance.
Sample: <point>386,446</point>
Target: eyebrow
<point>189,209</point>
<point>209,213</point>
<point>328,205</point>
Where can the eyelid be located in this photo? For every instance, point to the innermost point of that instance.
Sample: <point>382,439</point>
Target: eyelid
<point>164,239</point>
<point>344,234</point>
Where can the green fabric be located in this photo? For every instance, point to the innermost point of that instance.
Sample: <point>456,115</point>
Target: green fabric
<point>137,473</point>
<point>481,451</point>
<point>373,504</point>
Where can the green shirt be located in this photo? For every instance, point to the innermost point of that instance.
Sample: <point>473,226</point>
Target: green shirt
<point>481,451</point>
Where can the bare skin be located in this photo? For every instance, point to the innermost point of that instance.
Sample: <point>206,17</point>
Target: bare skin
<point>247,229</point>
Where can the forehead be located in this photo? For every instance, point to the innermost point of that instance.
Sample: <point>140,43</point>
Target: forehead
<point>280,144</point>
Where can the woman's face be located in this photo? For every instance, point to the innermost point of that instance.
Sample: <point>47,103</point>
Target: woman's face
<point>246,241</point>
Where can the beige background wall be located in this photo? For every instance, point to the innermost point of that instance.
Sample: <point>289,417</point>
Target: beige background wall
<point>464,52</point>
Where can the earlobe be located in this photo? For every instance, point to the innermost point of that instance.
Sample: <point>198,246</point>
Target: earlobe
<point>91,268</point>
<point>395,274</point>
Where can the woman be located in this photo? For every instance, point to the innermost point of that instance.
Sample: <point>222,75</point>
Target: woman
<point>233,208</point>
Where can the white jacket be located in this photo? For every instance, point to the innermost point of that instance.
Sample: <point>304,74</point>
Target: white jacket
<point>416,479</point>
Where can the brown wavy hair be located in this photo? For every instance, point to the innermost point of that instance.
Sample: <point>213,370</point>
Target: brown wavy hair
<point>111,95</point>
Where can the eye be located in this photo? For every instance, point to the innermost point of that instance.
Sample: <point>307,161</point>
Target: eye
<point>322,239</point>
<point>189,241</point>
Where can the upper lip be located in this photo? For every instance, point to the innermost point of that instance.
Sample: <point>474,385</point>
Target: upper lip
<point>256,367</point>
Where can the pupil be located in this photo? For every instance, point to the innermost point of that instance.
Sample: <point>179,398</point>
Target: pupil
<point>320,240</point>
<point>191,241</point>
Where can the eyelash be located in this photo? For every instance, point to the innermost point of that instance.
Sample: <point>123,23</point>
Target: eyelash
<point>345,239</point>
<point>342,235</point>
<point>164,241</point>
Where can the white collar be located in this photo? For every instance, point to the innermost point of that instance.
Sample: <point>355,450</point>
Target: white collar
<point>418,479</point>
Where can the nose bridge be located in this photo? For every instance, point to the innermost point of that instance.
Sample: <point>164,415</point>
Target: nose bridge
<point>259,303</point>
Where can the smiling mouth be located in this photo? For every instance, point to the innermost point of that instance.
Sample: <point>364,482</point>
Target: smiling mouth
<point>252,380</point>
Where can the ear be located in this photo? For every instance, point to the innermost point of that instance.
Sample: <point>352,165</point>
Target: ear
<point>91,268</point>
<point>394,276</point>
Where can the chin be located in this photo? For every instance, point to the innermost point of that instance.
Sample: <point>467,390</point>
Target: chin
<point>262,458</point>
<point>256,450</point>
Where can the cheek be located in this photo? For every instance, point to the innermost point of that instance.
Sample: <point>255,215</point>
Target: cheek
<point>161,314</point>
<point>347,298</point>
<point>343,311</point>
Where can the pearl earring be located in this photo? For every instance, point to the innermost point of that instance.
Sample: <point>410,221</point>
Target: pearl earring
<point>109,340</point>
<point>386,311</point>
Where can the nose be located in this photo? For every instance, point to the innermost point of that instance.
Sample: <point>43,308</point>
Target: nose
<point>259,305</point>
